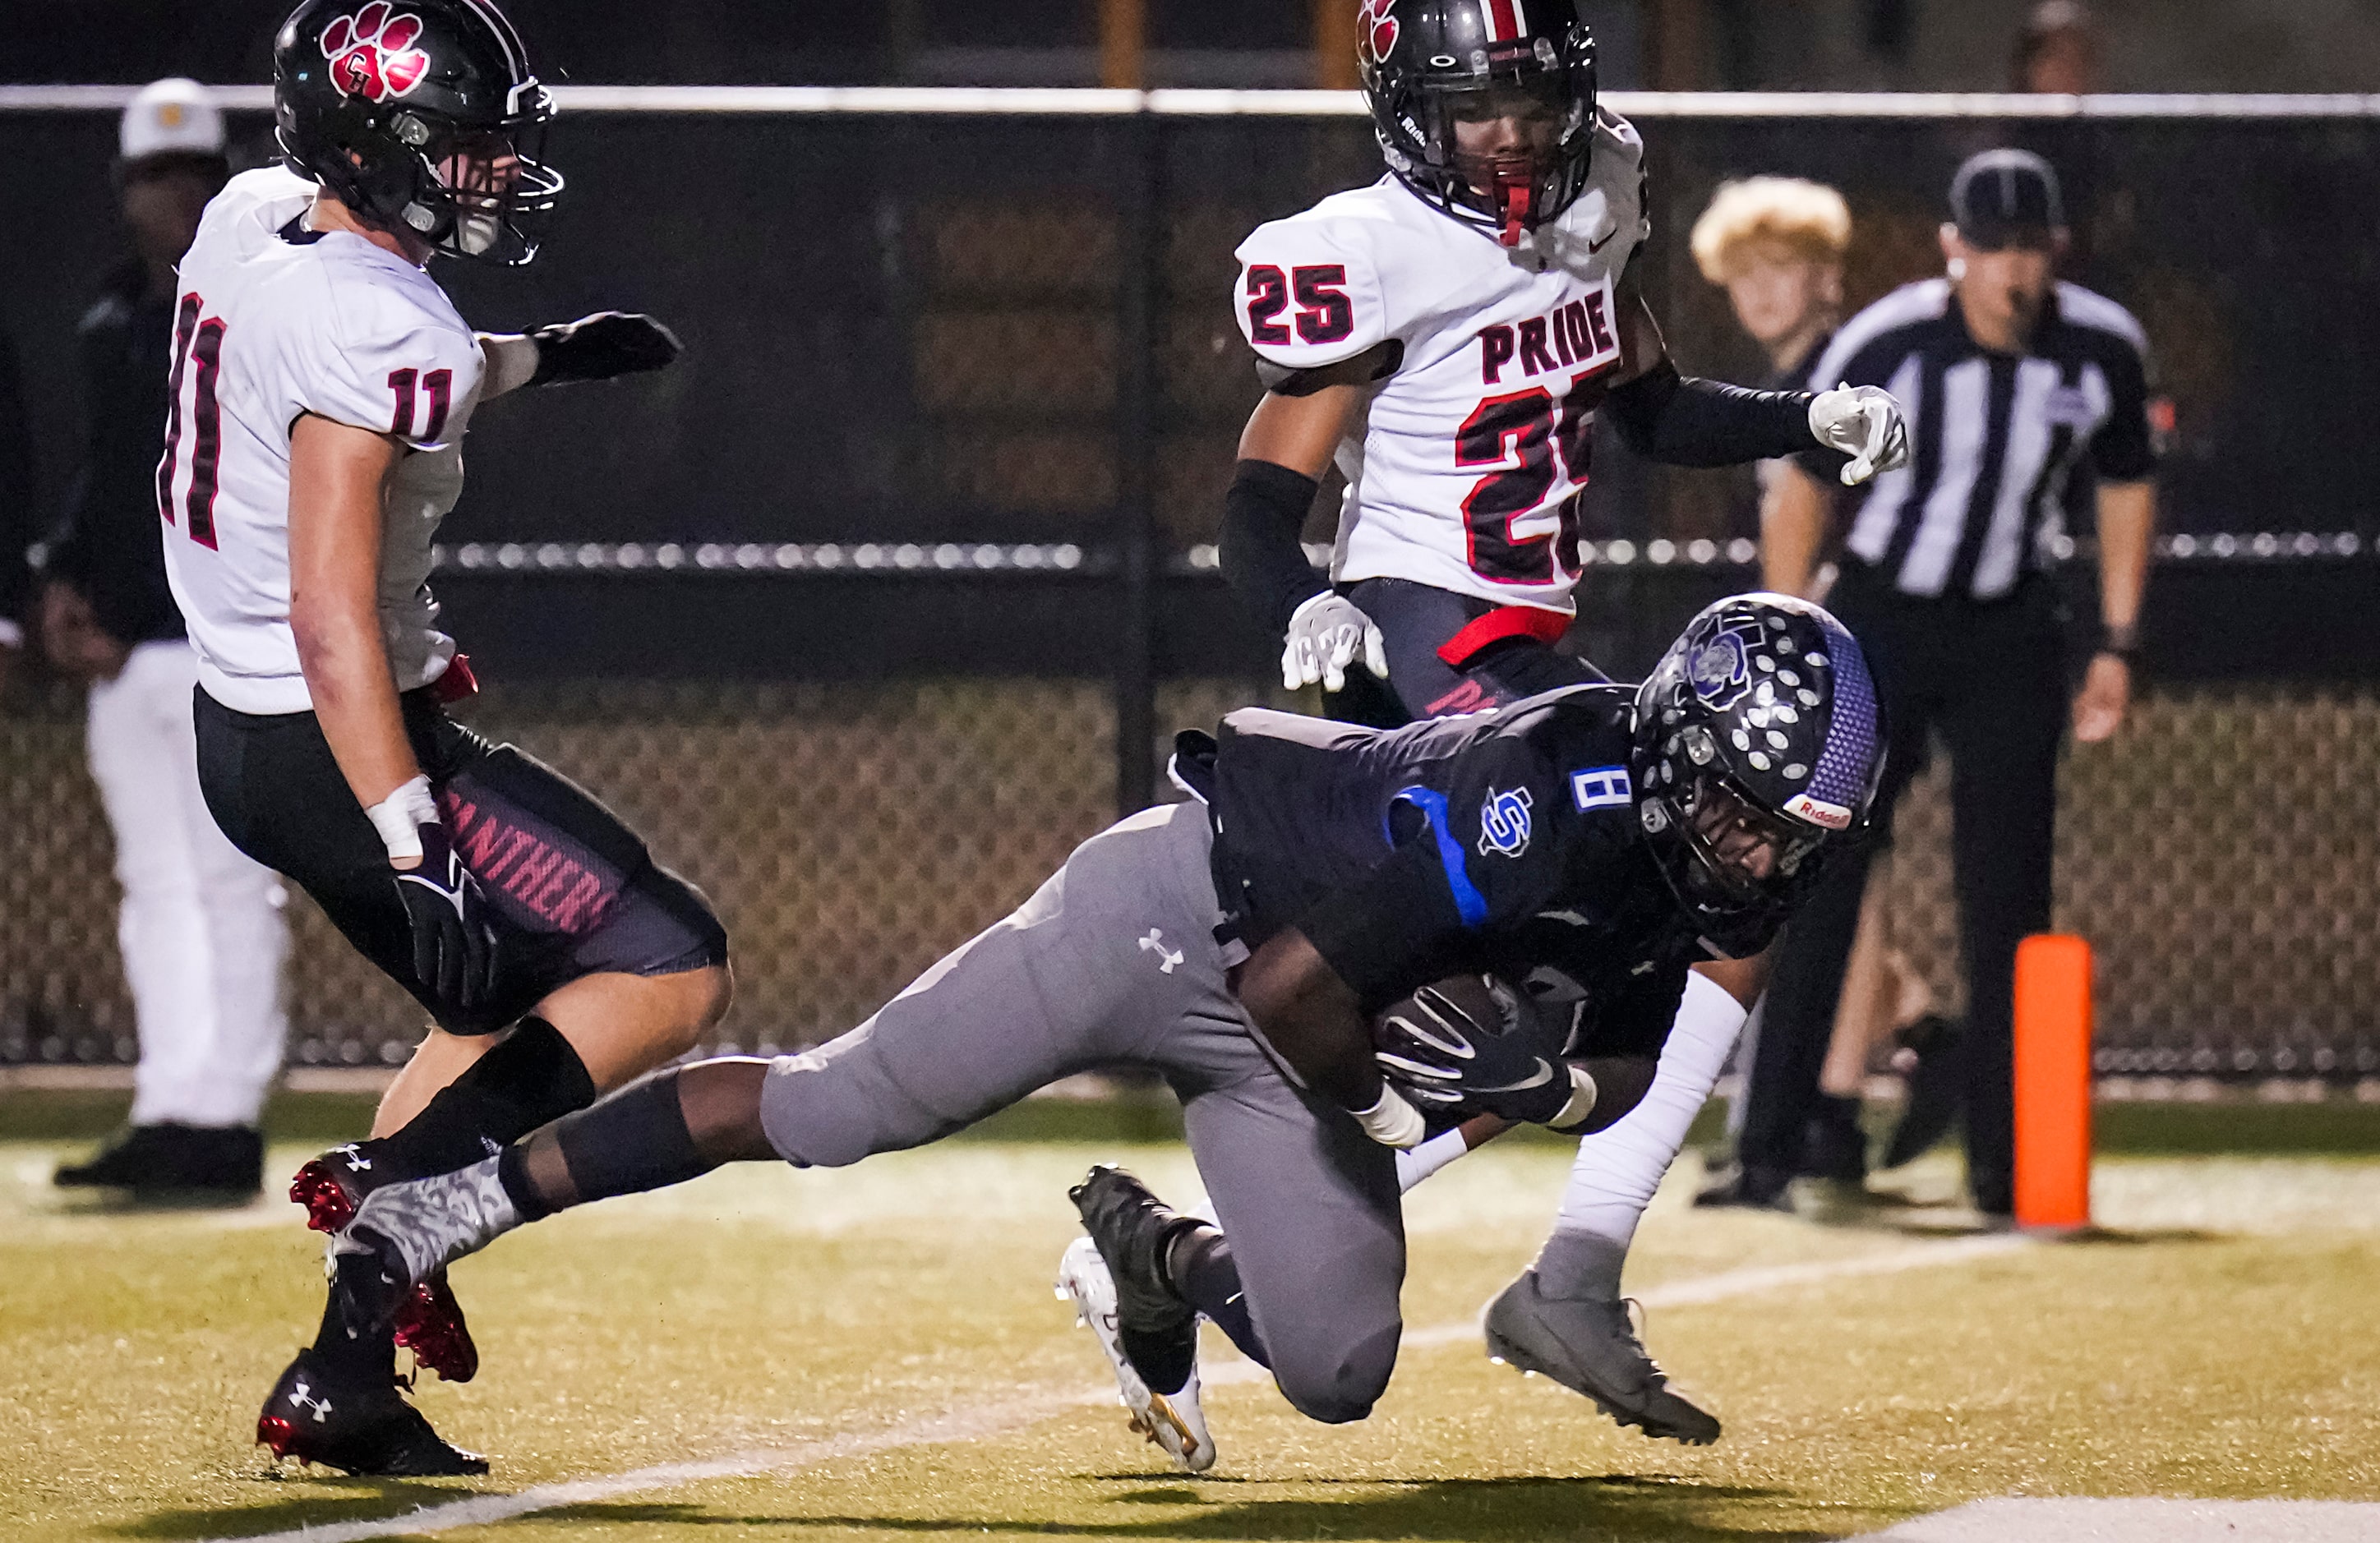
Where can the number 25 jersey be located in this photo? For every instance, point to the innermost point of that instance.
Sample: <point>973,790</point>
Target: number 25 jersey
<point>1465,469</point>
<point>273,322</point>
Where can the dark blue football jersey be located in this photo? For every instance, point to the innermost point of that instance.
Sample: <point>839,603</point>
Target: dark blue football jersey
<point>1504,840</point>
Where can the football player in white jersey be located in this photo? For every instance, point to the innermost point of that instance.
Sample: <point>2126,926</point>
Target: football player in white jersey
<point>1447,335</point>
<point>321,383</point>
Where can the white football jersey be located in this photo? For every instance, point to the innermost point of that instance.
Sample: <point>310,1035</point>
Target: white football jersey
<point>1465,471</point>
<point>275,321</point>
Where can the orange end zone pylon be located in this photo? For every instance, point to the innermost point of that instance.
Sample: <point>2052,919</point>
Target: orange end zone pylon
<point>2053,1083</point>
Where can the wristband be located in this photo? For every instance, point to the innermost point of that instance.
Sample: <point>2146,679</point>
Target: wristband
<point>399,817</point>
<point>1393,1121</point>
<point>2124,643</point>
<point>1582,1094</point>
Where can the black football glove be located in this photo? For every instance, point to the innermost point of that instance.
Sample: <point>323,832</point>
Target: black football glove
<point>600,347</point>
<point>1457,1048</point>
<point>454,946</point>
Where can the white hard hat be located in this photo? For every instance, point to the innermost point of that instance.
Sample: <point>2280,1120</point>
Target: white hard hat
<point>173,116</point>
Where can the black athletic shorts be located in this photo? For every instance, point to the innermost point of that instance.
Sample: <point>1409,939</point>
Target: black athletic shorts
<point>573,890</point>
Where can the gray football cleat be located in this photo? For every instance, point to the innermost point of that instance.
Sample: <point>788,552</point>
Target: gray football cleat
<point>1173,1422</point>
<point>1590,1346</point>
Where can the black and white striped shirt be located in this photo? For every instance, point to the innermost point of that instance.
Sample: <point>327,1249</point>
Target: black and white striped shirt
<point>1994,438</point>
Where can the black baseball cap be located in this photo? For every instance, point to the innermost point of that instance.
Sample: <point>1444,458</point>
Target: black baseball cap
<point>2006,198</point>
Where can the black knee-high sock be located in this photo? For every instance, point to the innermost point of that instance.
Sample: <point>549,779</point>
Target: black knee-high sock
<point>530,1079</point>
<point>1200,1265</point>
<point>664,1130</point>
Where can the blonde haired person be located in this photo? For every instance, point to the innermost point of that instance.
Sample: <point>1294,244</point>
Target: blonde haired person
<point>1776,245</point>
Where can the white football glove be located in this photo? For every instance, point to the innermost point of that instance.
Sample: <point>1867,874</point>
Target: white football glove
<point>1865,423</point>
<point>1326,635</point>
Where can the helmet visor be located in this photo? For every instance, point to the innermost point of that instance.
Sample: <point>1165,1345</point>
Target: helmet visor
<point>1744,853</point>
<point>1509,144</point>
<point>492,178</point>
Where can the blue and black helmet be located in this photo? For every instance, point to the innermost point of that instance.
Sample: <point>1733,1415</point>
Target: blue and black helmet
<point>1764,704</point>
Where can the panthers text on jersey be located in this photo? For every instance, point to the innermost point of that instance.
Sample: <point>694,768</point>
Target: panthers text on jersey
<point>274,320</point>
<point>1465,472</point>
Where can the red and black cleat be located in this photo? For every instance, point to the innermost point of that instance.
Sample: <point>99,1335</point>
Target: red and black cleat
<point>364,1428</point>
<point>331,1186</point>
<point>429,1322</point>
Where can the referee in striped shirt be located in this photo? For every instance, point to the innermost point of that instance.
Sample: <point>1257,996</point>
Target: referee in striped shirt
<point>2015,384</point>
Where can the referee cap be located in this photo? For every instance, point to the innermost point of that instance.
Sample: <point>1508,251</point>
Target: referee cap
<point>2002,196</point>
<point>173,116</point>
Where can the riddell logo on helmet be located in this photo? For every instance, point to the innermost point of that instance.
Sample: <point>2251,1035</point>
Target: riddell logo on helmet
<point>1378,30</point>
<point>1834,816</point>
<point>372,53</point>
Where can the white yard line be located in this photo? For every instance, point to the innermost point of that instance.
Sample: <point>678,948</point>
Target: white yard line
<point>2142,1521</point>
<point>984,1422</point>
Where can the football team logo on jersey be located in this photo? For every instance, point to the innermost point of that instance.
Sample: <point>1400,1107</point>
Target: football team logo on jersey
<point>1378,29</point>
<point>372,53</point>
<point>1504,822</point>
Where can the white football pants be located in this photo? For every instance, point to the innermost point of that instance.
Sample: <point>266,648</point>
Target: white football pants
<point>201,930</point>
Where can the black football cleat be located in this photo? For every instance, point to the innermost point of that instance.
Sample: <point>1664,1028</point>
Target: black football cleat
<point>365,1429</point>
<point>1834,1147</point>
<point>224,1165</point>
<point>429,1321</point>
<point>1132,1229</point>
<point>1931,1052</point>
<point>1753,1189</point>
<point>1591,1346</point>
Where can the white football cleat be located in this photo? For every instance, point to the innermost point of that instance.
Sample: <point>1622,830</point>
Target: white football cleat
<point>1173,1421</point>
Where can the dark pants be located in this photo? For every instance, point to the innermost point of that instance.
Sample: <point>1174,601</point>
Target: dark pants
<point>1990,678</point>
<point>572,890</point>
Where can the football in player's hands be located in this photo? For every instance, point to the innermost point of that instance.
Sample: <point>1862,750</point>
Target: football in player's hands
<point>600,347</point>
<point>1475,1044</point>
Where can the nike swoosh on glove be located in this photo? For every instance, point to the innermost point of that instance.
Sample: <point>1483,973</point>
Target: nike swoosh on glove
<point>454,946</point>
<point>600,347</point>
<point>1473,1045</point>
<point>1865,423</point>
<point>1325,636</point>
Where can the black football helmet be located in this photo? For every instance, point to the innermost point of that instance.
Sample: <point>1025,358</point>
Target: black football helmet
<point>1428,64</point>
<point>382,102</point>
<point>1761,721</point>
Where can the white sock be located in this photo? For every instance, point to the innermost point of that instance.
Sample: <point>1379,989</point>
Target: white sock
<point>1618,1168</point>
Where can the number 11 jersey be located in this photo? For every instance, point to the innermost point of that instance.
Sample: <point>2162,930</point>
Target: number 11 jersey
<point>1465,471</point>
<point>275,321</point>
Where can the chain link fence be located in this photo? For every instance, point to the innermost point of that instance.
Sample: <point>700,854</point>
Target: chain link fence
<point>2223,855</point>
<point>920,332</point>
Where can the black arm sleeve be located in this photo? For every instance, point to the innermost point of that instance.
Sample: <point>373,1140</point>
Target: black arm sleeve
<point>1668,418</point>
<point>1262,558</point>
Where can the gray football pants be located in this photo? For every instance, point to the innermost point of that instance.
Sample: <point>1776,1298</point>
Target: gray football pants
<point>1114,961</point>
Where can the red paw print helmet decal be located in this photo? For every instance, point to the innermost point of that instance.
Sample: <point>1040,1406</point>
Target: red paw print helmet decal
<point>1376,28</point>
<point>372,53</point>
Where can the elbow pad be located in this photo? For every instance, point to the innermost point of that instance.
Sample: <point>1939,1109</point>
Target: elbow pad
<point>1681,420</point>
<point>1262,555</point>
